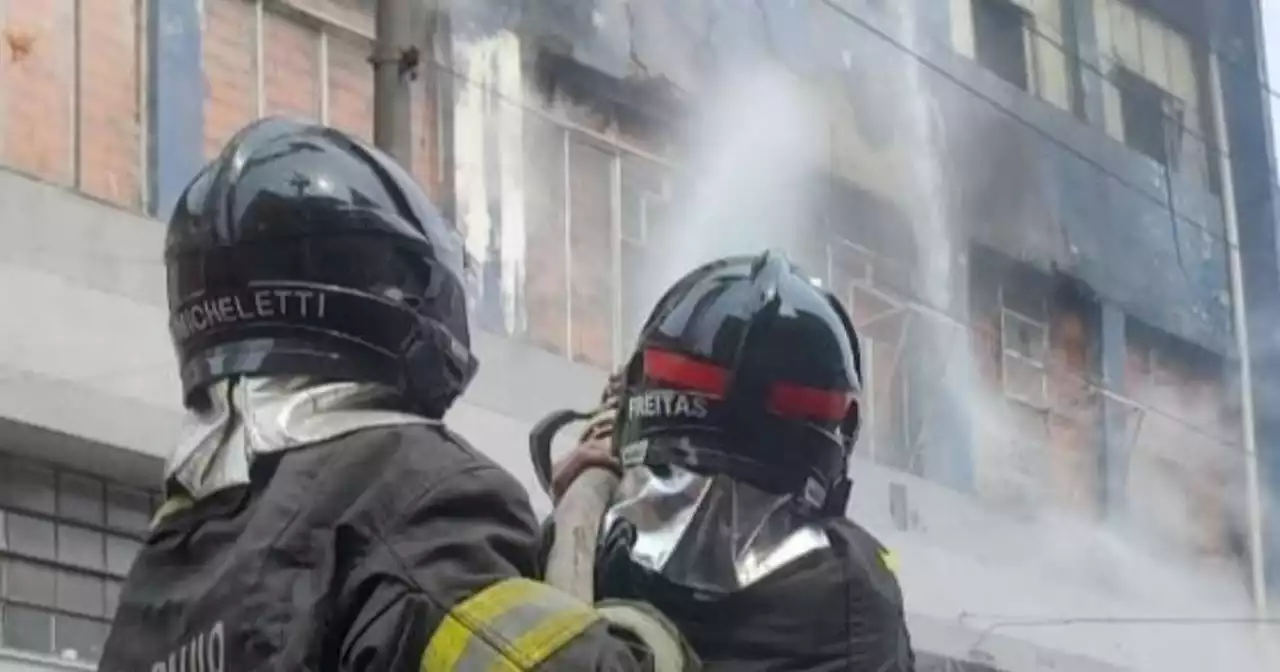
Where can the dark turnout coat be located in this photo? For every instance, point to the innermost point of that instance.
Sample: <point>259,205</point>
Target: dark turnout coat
<point>394,549</point>
<point>836,609</point>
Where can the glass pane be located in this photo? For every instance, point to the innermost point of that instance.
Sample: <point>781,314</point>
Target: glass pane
<point>128,510</point>
<point>81,594</point>
<point>31,536</point>
<point>80,639</point>
<point>1024,337</point>
<point>30,583</point>
<point>80,547</point>
<point>27,629</point>
<point>113,597</point>
<point>1024,381</point>
<point>24,485</point>
<point>120,554</point>
<point>80,498</point>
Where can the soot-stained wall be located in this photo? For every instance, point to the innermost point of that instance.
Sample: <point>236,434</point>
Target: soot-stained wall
<point>1020,175</point>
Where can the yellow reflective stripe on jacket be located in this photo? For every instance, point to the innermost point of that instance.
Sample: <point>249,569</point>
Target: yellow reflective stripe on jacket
<point>511,626</point>
<point>890,560</point>
<point>170,506</point>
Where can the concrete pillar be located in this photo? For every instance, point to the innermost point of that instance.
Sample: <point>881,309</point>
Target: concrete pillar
<point>1114,456</point>
<point>1235,36</point>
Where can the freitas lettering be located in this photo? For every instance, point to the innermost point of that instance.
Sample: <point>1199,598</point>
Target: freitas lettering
<point>667,404</point>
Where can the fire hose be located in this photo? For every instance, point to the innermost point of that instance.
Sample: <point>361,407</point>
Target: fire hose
<point>577,519</point>
<point>577,516</point>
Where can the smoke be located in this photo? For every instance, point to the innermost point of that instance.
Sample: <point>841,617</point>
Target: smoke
<point>1155,588</point>
<point>1152,590</point>
<point>751,157</point>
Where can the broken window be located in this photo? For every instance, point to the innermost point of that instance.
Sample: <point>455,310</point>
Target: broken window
<point>1152,117</point>
<point>1000,40</point>
<point>881,321</point>
<point>1024,344</point>
<point>1154,87</point>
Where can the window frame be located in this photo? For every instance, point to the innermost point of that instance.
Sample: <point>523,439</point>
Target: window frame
<point>1028,79</point>
<point>105,577</point>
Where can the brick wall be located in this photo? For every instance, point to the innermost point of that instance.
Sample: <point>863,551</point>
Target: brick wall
<point>1185,473</point>
<point>297,80</point>
<point>110,110</point>
<point>40,116</point>
<point>229,69</point>
<point>545,294</point>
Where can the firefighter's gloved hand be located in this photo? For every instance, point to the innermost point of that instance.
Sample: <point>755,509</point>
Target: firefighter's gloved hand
<point>595,444</point>
<point>671,653</point>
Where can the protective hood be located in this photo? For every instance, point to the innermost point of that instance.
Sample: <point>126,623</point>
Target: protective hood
<point>709,532</point>
<point>250,416</point>
<point>828,610</point>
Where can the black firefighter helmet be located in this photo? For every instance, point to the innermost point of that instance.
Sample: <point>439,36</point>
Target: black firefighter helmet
<point>300,250</point>
<point>749,369</point>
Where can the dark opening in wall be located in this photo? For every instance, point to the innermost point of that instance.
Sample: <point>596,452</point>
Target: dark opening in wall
<point>1153,118</point>
<point>1000,39</point>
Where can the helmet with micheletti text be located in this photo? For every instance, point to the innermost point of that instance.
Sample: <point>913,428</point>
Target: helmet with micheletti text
<point>301,250</point>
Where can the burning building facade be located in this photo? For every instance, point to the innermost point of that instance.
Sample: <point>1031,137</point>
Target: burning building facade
<point>1028,207</point>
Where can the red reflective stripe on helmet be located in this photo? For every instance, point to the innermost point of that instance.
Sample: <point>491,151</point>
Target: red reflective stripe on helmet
<point>799,401</point>
<point>686,373</point>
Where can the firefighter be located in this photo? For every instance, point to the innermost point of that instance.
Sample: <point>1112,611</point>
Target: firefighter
<point>318,514</point>
<point>731,427</point>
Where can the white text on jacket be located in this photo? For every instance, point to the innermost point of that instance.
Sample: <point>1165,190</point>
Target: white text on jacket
<point>206,652</point>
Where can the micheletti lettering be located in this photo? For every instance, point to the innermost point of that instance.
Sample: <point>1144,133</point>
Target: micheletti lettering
<point>262,304</point>
<point>206,652</point>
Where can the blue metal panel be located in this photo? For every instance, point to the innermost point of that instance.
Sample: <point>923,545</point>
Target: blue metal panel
<point>175,103</point>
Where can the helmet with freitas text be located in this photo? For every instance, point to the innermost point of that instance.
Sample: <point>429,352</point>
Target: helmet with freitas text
<point>301,250</point>
<point>746,367</point>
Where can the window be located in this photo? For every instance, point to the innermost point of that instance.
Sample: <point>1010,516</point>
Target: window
<point>66,542</point>
<point>80,498</point>
<point>26,629</point>
<point>1153,88</point>
<point>1024,343</point>
<point>78,638</point>
<point>128,510</point>
<point>26,487</point>
<point>1151,117</point>
<point>33,537</point>
<point>1000,40</point>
